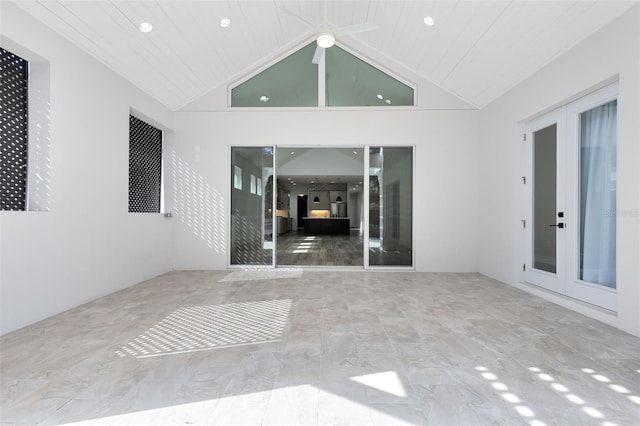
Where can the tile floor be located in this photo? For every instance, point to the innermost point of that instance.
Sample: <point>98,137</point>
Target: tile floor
<point>287,347</point>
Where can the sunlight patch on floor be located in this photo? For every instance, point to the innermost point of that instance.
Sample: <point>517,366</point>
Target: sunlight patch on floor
<point>614,387</point>
<point>197,328</point>
<point>510,397</point>
<point>304,246</point>
<point>564,390</point>
<point>388,382</point>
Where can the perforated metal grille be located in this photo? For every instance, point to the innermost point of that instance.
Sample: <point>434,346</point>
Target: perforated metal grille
<point>145,166</point>
<point>14,74</point>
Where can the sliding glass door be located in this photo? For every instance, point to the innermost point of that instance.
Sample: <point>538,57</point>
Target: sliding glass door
<point>252,225</point>
<point>350,220</point>
<point>390,240</point>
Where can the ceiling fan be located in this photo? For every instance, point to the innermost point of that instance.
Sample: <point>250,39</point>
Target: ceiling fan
<point>326,33</point>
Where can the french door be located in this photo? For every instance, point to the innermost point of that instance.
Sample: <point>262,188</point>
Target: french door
<point>548,220</point>
<point>571,223</point>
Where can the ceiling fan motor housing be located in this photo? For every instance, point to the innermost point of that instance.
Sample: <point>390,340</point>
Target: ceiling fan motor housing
<point>326,40</point>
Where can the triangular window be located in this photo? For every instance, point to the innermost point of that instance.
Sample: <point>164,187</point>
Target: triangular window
<point>347,79</point>
<point>292,82</point>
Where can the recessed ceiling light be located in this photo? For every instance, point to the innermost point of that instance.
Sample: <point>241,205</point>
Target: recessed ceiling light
<point>225,22</point>
<point>146,27</point>
<point>288,178</point>
<point>264,98</point>
<point>387,101</point>
<point>293,152</point>
<point>379,96</point>
<point>428,21</point>
<point>355,152</point>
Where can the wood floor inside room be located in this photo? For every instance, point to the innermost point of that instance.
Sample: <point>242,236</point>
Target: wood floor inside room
<point>298,249</point>
<point>294,347</point>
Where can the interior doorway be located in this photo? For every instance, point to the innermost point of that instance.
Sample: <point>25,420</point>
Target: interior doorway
<point>321,183</point>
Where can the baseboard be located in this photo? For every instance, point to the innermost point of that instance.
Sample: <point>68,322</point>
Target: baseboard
<point>603,315</point>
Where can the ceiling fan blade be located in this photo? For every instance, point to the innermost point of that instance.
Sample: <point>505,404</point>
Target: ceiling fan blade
<point>295,15</point>
<point>317,56</point>
<point>358,28</point>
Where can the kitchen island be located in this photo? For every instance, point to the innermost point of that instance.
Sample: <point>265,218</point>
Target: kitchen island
<point>326,225</point>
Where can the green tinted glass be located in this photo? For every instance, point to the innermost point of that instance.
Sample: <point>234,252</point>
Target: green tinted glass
<point>292,82</point>
<point>352,82</point>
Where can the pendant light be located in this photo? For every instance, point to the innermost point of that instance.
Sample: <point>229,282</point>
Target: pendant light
<point>338,199</point>
<point>316,199</point>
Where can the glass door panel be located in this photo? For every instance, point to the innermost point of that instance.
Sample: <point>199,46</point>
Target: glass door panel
<point>546,225</point>
<point>251,206</point>
<point>390,206</point>
<point>544,199</point>
<point>593,251</point>
<point>597,194</point>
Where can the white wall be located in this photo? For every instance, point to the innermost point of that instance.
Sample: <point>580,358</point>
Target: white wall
<point>445,186</point>
<point>612,51</point>
<point>87,245</point>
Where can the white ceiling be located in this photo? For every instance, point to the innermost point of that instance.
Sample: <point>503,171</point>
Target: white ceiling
<point>476,50</point>
<point>306,171</point>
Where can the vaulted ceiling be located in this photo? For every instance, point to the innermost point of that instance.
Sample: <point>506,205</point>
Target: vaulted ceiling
<point>476,50</point>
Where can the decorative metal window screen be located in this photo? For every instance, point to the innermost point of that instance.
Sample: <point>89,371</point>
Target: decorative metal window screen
<point>145,166</point>
<point>14,82</point>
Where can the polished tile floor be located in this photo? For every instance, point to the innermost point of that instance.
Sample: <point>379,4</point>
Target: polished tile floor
<point>288,347</point>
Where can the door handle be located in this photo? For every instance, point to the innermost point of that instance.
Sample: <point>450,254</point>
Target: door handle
<point>560,225</point>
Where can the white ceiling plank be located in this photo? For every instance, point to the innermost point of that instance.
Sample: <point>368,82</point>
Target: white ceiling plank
<point>68,25</point>
<point>434,39</point>
<point>207,28</point>
<point>574,25</point>
<point>449,40</point>
<point>93,42</point>
<point>152,51</point>
<point>483,20</point>
<point>347,13</point>
<point>501,47</point>
<point>172,49</point>
<point>477,49</point>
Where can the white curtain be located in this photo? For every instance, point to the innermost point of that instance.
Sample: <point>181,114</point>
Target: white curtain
<point>598,195</point>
